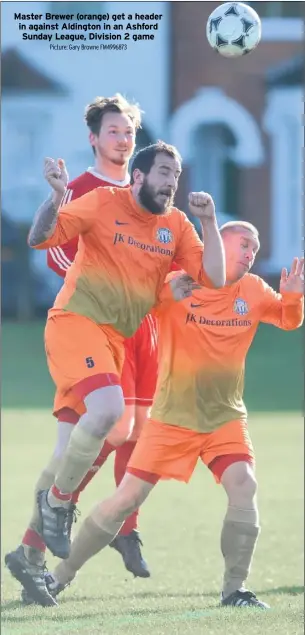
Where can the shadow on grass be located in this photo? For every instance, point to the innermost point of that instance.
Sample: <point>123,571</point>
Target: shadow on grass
<point>286,590</point>
<point>17,605</point>
<point>118,615</point>
<point>293,590</point>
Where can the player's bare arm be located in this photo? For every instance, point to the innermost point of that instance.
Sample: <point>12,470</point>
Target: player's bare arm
<point>286,309</point>
<point>202,206</point>
<point>45,219</point>
<point>293,282</point>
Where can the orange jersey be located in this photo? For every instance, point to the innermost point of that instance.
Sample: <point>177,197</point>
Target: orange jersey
<point>59,259</point>
<point>203,344</point>
<point>124,254</point>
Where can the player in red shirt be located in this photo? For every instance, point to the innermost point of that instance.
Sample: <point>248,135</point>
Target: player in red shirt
<point>112,123</point>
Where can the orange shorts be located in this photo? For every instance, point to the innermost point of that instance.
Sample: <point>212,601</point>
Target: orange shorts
<point>168,451</point>
<point>138,379</point>
<point>82,355</point>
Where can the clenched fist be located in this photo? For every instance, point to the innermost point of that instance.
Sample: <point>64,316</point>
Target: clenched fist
<point>56,175</point>
<point>202,206</point>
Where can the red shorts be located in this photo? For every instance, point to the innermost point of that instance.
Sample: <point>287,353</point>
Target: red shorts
<point>139,375</point>
<point>138,378</point>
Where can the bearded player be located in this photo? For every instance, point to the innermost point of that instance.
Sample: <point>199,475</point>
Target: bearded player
<point>113,283</point>
<point>113,123</point>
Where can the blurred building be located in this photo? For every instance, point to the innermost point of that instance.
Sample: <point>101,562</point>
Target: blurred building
<point>237,123</point>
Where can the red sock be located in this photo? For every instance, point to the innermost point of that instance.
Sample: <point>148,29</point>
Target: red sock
<point>103,455</point>
<point>65,497</point>
<point>122,456</point>
<point>32,539</point>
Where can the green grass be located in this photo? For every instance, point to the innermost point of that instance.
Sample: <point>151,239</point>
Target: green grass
<point>26,382</point>
<point>274,378</point>
<point>180,526</point>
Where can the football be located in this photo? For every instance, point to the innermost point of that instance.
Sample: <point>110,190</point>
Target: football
<point>233,29</point>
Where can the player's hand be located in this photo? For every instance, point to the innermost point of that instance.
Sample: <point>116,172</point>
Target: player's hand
<point>293,281</point>
<point>182,287</point>
<point>202,206</point>
<point>56,174</point>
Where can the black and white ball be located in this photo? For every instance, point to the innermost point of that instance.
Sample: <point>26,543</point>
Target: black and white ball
<point>234,29</point>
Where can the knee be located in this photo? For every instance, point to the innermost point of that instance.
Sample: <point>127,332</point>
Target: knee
<point>127,504</point>
<point>240,482</point>
<point>112,413</point>
<point>248,486</point>
<point>118,435</point>
<point>121,505</point>
<point>122,430</point>
<point>129,496</point>
<point>104,413</point>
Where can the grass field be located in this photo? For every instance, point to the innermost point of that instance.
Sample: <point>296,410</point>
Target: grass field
<point>180,526</point>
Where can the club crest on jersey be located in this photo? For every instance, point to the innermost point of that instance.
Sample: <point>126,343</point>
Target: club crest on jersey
<point>164,235</point>
<point>240,306</point>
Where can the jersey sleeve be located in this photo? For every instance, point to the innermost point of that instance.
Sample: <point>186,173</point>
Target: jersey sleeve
<point>189,253</point>
<point>286,311</point>
<point>59,259</point>
<point>75,218</point>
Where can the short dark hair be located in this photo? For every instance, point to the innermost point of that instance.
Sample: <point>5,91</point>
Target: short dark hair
<point>144,159</point>
<point>95,111</point>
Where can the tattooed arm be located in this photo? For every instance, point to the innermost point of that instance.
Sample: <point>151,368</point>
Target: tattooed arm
<point>53,227</point>
<point>45,221</point>
<point>46,217</point>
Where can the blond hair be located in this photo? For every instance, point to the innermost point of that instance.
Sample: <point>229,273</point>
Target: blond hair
<point>238,226</point>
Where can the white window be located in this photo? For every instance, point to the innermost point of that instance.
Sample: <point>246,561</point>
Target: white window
<point>213,170</point>
<point>217,136</point>
<point>283,122</point>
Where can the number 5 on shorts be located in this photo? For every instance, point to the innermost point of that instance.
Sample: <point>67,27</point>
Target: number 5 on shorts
<point>89,362</point>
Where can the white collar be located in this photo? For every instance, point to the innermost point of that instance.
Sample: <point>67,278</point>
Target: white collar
<point>126,181</point>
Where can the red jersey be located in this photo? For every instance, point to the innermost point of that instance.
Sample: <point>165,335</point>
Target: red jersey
<point>60,258</point>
